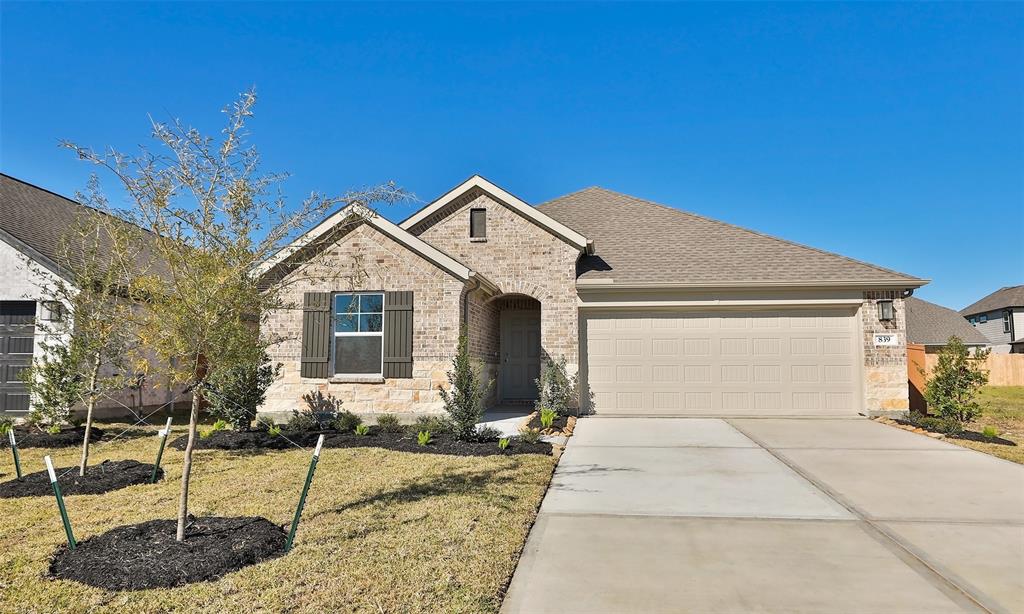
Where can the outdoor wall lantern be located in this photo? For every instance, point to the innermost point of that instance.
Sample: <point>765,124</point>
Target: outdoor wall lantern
<point>885,311</point>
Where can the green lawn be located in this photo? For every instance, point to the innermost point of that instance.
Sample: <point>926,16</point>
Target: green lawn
<point>382,531</point>
<point>1004,410</point>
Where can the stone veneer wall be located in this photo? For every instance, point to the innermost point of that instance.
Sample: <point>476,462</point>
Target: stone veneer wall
<point>382,264</point>
<point>885,368</point>
<point>521,258</point>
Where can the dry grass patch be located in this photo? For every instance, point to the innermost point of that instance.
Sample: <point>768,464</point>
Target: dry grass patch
<point>382,531</point>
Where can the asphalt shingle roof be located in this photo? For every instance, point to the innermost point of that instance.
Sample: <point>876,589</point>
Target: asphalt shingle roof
<point>1010,296</point>
<point>931,324</point>
<point>641,242</point>
<point>39,219</point>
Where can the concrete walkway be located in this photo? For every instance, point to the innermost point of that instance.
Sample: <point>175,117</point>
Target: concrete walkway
<point>772,515</point>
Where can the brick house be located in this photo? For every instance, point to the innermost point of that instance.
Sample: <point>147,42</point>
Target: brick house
<point>661,312</point>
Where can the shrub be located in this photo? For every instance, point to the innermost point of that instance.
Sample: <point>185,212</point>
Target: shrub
<point>558,390</point>
<point>273,430</point>
<point>423,438</point>
<point>6,424</point>
<point>362,429</point>
<point>547,417</point>
<point>952,389</point>
<point>503,443</point>
<point>465,401</point>
<point>236,393</point>
<point>53,429</point>
<point>989,432</point>
<point>529,435</point>
<point>219,425</point>
<point>346,422</point>
<point>487,433</point>
<point>934,424</point>
<point>389,423</point>
<point>320,413</point>
<point>55,384</point>
<point>434,424</point>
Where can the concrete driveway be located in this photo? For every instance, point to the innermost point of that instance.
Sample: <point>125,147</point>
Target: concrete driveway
<point>770,515</point>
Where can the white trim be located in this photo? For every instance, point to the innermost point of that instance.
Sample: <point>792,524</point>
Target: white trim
<point>476,181</point>
<point>607,284</point>
<point>332,358</point>
<point>739,304</point>
<point>408,240</point>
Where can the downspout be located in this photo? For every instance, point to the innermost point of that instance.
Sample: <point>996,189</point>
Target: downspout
<point>465,302</point>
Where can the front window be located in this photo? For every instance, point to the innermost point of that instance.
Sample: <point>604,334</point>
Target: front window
<point>1006,320</point>
<point>983,318</point>
<point>358,333</point>
<point>478,223</point>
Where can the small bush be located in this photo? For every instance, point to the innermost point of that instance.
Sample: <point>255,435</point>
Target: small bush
<point>346,422</point>
<point>423,438</point>
<point>320,413</point>
<point>547,417</point>
<point>558,390</point>
<point>989,432</point>
<point>219,425</point>
<point>302,421</point>
<point>362,430</point>
<point>952,389</point>
<point>503,443</point>
<point>487,433</point>
<point>6,424</point>
<point>434,424</point>
<point>236,392</point>
<point>273,430</point>
<point>529,435</point>
<point>53,429</point>
<point>464,400</point>
<point>389,423</point>
<point>934,424</point>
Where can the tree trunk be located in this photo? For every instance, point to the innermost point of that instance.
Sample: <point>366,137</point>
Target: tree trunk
<point>186,467</point>
<point>89,407</point>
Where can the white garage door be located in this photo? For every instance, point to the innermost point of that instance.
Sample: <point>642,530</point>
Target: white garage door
<point>726,363</point>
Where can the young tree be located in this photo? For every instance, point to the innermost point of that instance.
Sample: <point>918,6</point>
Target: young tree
<point>213,218</point>
<point>464,402</point>
<point>558,389</point>
<point>89,341</point>
<point>54,383</point>
<point>952,389</point>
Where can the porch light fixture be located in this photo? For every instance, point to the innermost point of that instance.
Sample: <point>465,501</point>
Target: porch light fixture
<point>885,311</point>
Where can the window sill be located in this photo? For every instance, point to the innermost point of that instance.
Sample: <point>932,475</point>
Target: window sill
<point>356,379</point>
<point>478,239</point>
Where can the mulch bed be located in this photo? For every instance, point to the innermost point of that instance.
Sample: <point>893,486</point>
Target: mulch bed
<point>32,437</point>
<point>146,555</point>
<point>908,425</point>
<point>404,441</point>
<point>101,478</point>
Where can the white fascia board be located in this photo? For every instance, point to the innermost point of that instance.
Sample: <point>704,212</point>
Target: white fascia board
<point>406,239</point>
<point>607,284</point>
<point>720,303</point>
<point>476,181</point>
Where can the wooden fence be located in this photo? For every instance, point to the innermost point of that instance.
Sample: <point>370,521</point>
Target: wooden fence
<point>1003,370</point>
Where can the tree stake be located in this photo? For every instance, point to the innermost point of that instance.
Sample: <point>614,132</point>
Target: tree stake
<point>305,489</point>
<point>160,451</point>
<point>60,503</point>
<point>14,452</point>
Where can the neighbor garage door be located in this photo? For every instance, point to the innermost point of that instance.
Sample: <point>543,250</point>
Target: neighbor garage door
<point>17,327</point>
<point>725,363</point>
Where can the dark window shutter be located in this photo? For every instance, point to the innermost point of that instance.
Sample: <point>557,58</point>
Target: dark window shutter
<point>398,334</point>
<point>316,334</point>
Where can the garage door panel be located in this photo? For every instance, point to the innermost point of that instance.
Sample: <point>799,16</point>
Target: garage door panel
<point>722,363</point>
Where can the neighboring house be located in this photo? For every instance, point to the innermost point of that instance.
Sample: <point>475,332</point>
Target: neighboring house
<point>1000,317</point>
<point>661,312</point>
<point>932,325</point>
<point>32,223</point>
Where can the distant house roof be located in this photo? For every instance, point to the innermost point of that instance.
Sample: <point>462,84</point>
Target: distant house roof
<point>641,243</point>
<point>34,220</point>
<point>931,324</point>
<point>1010,296</point>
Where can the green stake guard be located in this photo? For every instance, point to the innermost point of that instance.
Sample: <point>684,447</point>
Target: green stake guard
<point>160,452</point>
<point>305,489</point>
<point>14,451</point>
<point>60,503</point>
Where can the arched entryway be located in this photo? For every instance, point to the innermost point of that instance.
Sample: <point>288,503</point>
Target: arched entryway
<point>519,349</point>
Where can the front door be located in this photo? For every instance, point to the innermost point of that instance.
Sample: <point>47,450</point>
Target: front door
<point>520,354</point>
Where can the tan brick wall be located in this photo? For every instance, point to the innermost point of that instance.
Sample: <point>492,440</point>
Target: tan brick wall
<point>381,264</point>
<point>885,368</point>
<point>520,258</point>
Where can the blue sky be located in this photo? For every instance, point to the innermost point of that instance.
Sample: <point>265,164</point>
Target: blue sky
<point>888,133</point>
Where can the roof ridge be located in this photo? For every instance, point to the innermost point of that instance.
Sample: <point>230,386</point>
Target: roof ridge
<point>744,229</point>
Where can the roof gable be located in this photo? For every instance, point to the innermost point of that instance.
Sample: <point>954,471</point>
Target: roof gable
<point>1010,296</point>
<point>457,196</point>
<point>931,324</point>
<point>362,215</point>
<point>645,244</point>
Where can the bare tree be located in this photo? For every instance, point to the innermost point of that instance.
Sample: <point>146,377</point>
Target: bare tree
<point>214,217</point>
